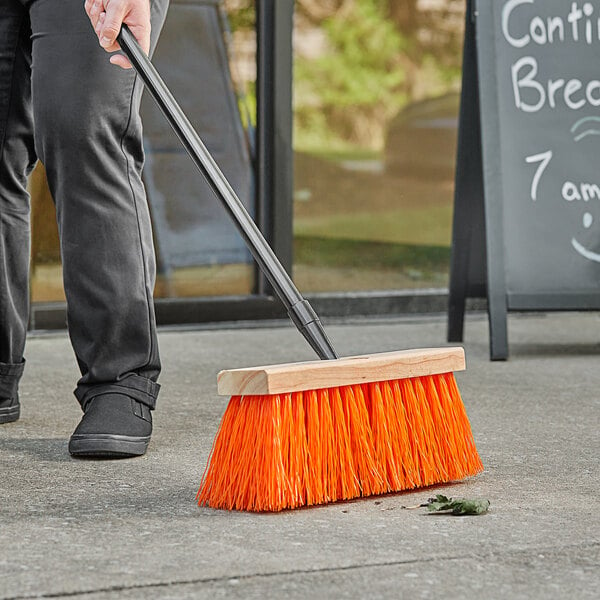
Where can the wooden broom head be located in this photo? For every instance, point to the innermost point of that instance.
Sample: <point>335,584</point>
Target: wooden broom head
<point>319,374</point>
<point>357,435</point>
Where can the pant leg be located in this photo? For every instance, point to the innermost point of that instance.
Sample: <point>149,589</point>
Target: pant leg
<point>88,135</point>
<point>17,158</point>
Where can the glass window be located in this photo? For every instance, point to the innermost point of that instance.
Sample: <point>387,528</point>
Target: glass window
<point>46,272</point>
<point>207,57</point>
<point>376,97</point>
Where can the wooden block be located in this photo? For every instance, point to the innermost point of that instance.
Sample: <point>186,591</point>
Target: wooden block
<point>295,377</point>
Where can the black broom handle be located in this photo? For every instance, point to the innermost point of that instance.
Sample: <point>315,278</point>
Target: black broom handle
<point>300,311</point>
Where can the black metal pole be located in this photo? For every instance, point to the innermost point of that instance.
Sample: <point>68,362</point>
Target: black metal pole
<point>299,310</point>
<point>274,157</point>
<point>468,189</point>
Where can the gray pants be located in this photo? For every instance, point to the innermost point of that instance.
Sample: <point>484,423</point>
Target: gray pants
<point>62,101</point>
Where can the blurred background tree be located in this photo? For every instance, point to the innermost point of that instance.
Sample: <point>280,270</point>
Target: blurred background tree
<point>370,56</point>
<point>345,94</point>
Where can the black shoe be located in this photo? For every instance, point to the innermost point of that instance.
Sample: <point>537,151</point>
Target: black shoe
<point>113,426</point>
<point>10,409</point>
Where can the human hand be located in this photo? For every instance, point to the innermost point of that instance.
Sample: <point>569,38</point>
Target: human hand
<point>107,16</point>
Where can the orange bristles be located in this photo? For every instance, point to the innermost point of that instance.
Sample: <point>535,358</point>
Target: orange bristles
<point>281,451</point>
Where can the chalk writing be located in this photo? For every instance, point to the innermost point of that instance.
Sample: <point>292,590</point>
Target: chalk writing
<point>579,24</point>
<point>585,127</point>
<point>544,159</point>
<point>570,192</point>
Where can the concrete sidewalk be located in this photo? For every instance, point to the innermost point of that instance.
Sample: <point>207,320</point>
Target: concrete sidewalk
<point>131,529</point>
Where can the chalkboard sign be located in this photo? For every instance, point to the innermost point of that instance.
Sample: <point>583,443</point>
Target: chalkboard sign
<point>528,173</point>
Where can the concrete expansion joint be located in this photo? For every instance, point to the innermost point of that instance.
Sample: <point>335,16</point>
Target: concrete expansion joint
<point>534,551</point>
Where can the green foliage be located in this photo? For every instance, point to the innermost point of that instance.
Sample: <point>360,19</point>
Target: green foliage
<point>241,14</point>
<point>459,507</point>
<point>351,89</point>
<point>374,57</point>
<point>247,105</point>
<point>362,71</point>
<point>364,254</point>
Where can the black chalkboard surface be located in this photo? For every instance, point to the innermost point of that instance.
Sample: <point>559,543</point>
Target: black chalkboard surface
<point>528,173</point>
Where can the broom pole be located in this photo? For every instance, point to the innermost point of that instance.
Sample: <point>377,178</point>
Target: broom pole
<point>299,310</point>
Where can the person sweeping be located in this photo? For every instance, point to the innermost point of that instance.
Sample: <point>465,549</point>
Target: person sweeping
<point>65,103</point>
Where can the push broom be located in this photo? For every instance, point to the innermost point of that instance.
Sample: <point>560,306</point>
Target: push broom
<point>338,428</point>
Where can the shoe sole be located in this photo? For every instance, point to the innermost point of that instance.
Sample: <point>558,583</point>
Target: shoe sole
<point>107,445</point>
<point>10,414</point>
